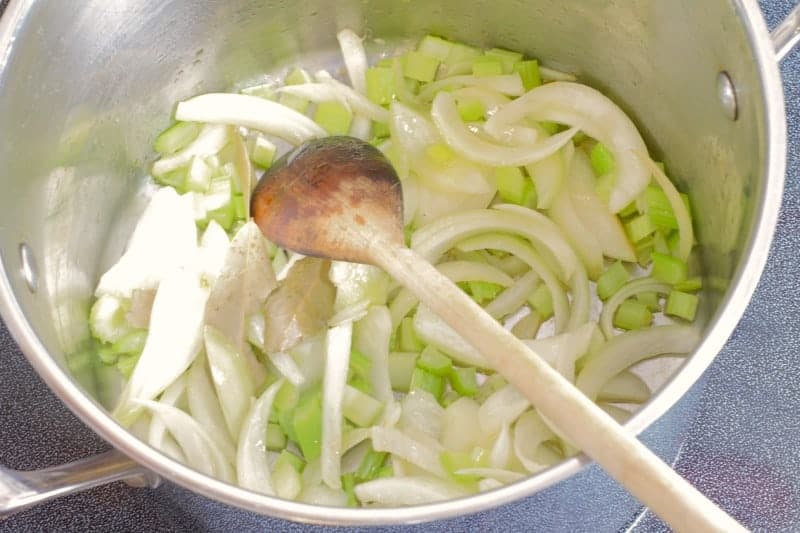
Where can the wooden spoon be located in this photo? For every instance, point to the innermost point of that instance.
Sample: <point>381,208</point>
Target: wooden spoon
<point>340,198</point>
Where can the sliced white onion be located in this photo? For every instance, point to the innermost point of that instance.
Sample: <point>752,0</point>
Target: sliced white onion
<point>625,387</point>
<point>205,408</point>
<point>199,449</point>
<point>287,367</point>
<point>500,455</point>
<point>470,146</point>
<point>561,351</point>
<point>337,361</point>
<point>171,395</point>
<point>577,105</point>
<point>251,112</point>
<point>415,452</point>
<point>355,59</point>
<point>632,288</point>
<point>530,431</point>
<point>252,463</point>
<point>397,491</point>
<point>627,349</point>
<point>371,336</point>
<point>685,230</point>
<point>506,84</point>
<point>335,91</point>
<point>551,74</point>
<point>514,297</point>
<point>211,139</point>
<point>501,408</point>
<point>460,433</point>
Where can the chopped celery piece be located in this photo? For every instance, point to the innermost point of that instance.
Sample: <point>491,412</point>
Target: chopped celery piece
<point>471,110</point>
<point>682,305</point>
<point>295,102</point>
<point>689,285</point>
<point>604,185</point>
<point>629,210</point>
<point>263,152</point>
<point>482,291</point>
<point>674,243</point>
<point>439,153</point>
<point>370,465</point>
<point>287,397</point>
<point>461,53</point>
<point>529,73</point>
<point>408,337</point>
<point>107,355</point>
<point>464,381</point>
<point>333,117</point>
<point>385,471</point>
<point>507,58</point>
<point>307,423</point>
<point>542,301</point>
<point>420,67</point>
<point>435,47</point>
<point>427,381</point>
<point>632,314</point>
<point>380,85</point>
<point>612,280</point>
<point>486,66</point>
<point>275,438</point>
<point>224,216</point>
<point>176,137</point>
<point>639,228</point>
<point>198,177</point>
<point>126,364</point>
<point>359,408</point>
<point>297,76</point>
<point>667,268</point>
<point>660,243</point>
<point>360,364</point>
<point>551,128</point>
<point>175,178</point>
<point>239,207</point>
<point>659,209</point>
<point>602,160</point>
<point>401,369</point>
<point>380,130</point>
<point>434,361</point>
<point>455,461</point>
<point>493,383</point>
<point>649,300</point>
<point>511,184</point>
<point>131,343</point>
<point>287,457</point>
<point>348,486</point>
<point>361,384</point>
<point>449,396</point>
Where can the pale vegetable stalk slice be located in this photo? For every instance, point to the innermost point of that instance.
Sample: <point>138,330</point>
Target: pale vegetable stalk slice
<point>204,407</point>
<point>513,297</point>
<point>468,145</point>
<point>355,58</point>
<point>397,491</point>
<point>561,351</point>
<point>549,174</point>
<point>501,408</point>
<point>685,230</point>
<point>421,416</point>
<point>200,451</point>
<point>627,349</point>
<point>583,239</point>
<point>212,251</point>
<point>337,360</point>
<point>176,329</point>
<point>530,431</point>
<point>371,337</point>
<point>589,110</point>
<point>164,239</point>
<point>625,387</point>
<point>286,365</point>
<point>212,139</point>
<point>251,112</point>
<point>632,288</point>
<point>157,434</point>
<point>415,452</point>
<point>252,465</point>
<point>500,455</point>
<point>231,376</point>
<point>431,329</point>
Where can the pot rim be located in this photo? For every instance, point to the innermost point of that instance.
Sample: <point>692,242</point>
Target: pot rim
<point>749,272</point>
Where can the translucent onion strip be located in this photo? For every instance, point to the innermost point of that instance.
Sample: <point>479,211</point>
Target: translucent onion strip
<point>506,84</point>
<point>632,288</point>
<point>252,464</point>
<point>530,431</point>
<point>577,105</point>
<point>625,387</point>
<point>205,408</point>
<point>685,230</point>
<point>333,90</point>
<point>411,450</point>
<point>251,112</point>
<point>337,361</point>
<point>397,491</point>
<point>627,349</point>
<point>470,146</point>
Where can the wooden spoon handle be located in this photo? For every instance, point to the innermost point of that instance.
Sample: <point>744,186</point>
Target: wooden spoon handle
<point>626,459</point>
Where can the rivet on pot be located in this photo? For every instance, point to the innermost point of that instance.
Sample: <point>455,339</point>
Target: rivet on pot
<point>727,95</point>
<point>28,267</point>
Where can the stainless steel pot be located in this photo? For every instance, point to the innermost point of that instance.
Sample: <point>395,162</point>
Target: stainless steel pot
<point>84,86</point>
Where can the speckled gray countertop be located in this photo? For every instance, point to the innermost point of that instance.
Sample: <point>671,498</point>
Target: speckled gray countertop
<point>741,445</point>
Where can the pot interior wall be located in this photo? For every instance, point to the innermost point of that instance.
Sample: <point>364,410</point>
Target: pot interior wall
<point>85,86</point>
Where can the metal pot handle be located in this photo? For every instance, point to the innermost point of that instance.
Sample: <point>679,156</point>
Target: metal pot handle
<point>22,489</point>
<point>787,34</point>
